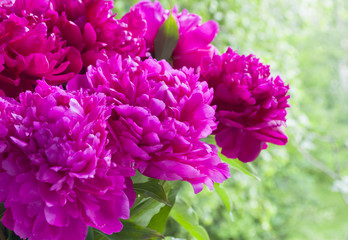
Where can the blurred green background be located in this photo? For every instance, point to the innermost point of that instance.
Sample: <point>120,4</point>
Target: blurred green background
<point>303,192</point>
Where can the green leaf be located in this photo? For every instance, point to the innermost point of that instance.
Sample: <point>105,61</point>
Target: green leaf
<point>210,139</point>
<point>166,39</point>
<point>159,220</point>
<point>151,189</point>
<point>90,234</point>
<point>223,195</point>
<point>139,178</point>
<point>183,214</point>
<point>130,231</point>
<point>240,166</point>
<point>142,212</point>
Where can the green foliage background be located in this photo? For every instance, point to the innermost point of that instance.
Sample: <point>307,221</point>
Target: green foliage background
<point>306,43</point>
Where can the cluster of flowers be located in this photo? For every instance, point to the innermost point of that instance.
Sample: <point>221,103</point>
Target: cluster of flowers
<point>83,105</point>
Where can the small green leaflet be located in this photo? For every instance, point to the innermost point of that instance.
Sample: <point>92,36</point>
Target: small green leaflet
<point>142,212</point>
<point>140,178</point>
<point>151,200</point>
<point>223,195</point>
<point>90,234</point>
<point>240,166</point>
<point>210,140</point>
<point>183,214</point>
<point>166,39</point>
<point>159,220</point>
<point>151,189</point>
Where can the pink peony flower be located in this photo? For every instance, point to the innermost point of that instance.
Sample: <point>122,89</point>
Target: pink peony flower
<point>194,37</point>
<point>89,26</point>
<point>28,52</point>
<point>57,175</point>
<point>59,38</point>
<point>251,105</point>
<point>159,116</point>
<point>24,7</point>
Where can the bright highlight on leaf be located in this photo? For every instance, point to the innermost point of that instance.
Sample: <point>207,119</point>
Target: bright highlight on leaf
<point>183,214</point>
<point>152,189</point>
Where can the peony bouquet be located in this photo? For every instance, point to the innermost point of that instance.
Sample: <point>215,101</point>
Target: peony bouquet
<point>89,102</point>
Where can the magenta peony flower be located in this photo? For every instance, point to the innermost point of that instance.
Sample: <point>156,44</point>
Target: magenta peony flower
<point>28,52</point>
<point>57,174</point>
<point>159,116</point>
<point>20,7</point>
<point>251,105</point>
<point>56,39</point>
<point>194,37</point>
<point>89,26</point>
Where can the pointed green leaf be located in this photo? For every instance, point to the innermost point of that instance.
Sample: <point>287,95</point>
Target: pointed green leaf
<point>130,231</point>
<point>142,212</point>
<point>158,221</point>
<point>183,214</point>
<point>166,39</point>
<point>240,166</point>
<point>90,234</point>
<point>225,198</point>
<point>223,195</point>
<point>210,139</point>
<point>151,189</point>
<point>139,178</point>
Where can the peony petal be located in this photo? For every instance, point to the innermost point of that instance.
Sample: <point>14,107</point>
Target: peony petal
<point>55,215</point>
<point>4,184</point>
<point>29,192</point>
<point>89,34</point>
<point>74,58</point>
<point>71,32</point>
<point>197,38</point>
